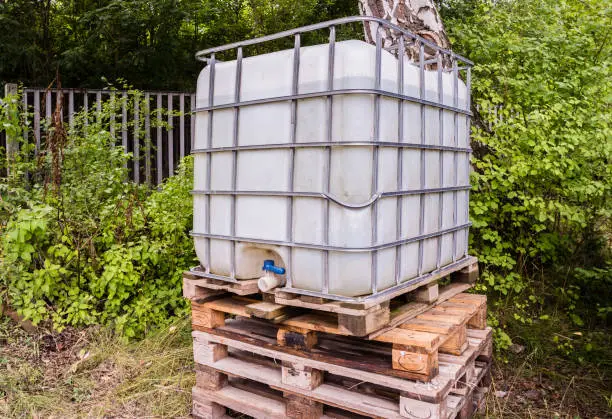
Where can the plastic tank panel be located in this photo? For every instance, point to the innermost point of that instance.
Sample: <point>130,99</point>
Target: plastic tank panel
<point>351,171</point>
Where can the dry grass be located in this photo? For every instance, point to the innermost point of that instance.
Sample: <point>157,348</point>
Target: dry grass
<point>93,374</point>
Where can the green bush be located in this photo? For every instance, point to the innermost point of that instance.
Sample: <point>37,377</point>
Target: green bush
<point>541,86</point>
<point>81,244</point>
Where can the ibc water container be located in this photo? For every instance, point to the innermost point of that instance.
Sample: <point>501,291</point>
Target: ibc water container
<point>347,206</point>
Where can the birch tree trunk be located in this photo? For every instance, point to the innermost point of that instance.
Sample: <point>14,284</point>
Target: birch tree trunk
<point>418,16</point>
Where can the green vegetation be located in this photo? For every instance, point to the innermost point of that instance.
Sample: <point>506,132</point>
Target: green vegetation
<point>80,246</point>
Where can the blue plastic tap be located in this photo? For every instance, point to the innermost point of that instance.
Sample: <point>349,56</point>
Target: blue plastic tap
<point>269,266</point>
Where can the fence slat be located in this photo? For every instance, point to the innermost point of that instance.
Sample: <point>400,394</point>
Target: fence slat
<point>170,137</point>
<point>147,116</point>
<point>159,161</point>
<point>124,139</point>
<point>71,108</point>
<point>182,126</point>
<point>136,140</point>
<point>99,107</point>
<point>36,121</point>
<point>48,106</point>
<point>86,107</point>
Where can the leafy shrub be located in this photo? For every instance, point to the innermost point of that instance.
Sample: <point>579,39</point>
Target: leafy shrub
<point>541,137</point>
<point>82,245</point>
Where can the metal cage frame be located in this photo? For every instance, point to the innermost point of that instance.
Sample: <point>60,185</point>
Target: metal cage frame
<point>403,36</point>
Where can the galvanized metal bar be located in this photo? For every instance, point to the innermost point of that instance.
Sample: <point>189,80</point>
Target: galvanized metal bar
<point>124,132</point>
<point>468,83</point>
<point>159,157</point>
<point>295,82</point>
<point>136,152</point>
<point>455,154</point>
<point>71,109</point>
<point>328,152</point>
<point>170,136</point>
<point>376,134</point>
<point>440,157</point>
<point>147,128</point>
<point>111,123</point>
<point>332,198</point>
<point>36,122</point>
<point>99,107</point>
<point>324,25</point>
<point>86,108</point>
<point>48,105</point>
<point>237,90</point>
<point>182,125</point>
<point>381,246</point>
<point>417,146</point>
<point>211,99</point>
<point>400,156</point>
<point>337,92</point>
<point>422,157</point>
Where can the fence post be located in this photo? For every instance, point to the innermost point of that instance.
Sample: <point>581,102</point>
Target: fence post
<point>12,144</point>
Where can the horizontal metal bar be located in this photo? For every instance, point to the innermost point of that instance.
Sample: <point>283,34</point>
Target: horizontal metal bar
<point>324,195</point>
<point>333,248</point>
<point>315,144</point>
<point>324,25</point>
<point>336,297</point>
<point>327,93</point>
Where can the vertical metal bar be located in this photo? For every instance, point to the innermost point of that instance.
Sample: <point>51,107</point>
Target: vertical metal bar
<point>99,107</point>
<point>147,115</point>
<point>192,104</point>
<point>159,146</point>
<point>36,121</point>
<point>124,138</point>
<point>294,91</point>
<point>182,125</point>
<point>211,97</point>
<point>327,168</point>
<point>71,108</point>
<point>48,105</point>
<point>237,88</point>
<point>170,136</point>
<point>376,135</point>
<point>136,153</point>
<point>455,154</point>
<point>86,107</point>
<point>111,123</point>
<point>467,155</point>
<point>422,153</point>
<point>440,156</point>
<point>400,156</point>
<point>25,118</point>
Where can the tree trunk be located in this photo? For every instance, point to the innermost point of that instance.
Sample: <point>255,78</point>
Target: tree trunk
<point>418,16</point>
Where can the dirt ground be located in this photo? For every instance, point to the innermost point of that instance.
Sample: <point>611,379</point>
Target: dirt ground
<point>90,373</point>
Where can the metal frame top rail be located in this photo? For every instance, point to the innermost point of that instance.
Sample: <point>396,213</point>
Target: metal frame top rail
<point>201,55</point>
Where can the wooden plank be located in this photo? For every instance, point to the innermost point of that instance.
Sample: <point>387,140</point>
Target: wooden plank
<point>209,378</point>
<point>301,407</point>
<point>243,401</point>
<point>416,360</point>
<point>411,310</point>
<point>363,324</point>
<point>299,375</point>
<point>206,317</point>
<point>296,337</point>
<point>124,133</point>
<point>231,305</point>
<point>320,322</point>
<point>265,310</point>
<point>330,365</point>
<point>136,148</point>
<point>427,294</point>
<point>182,125</point>
<point>205,409</point>
<point>36,122</point>
<point>147,129</point>
<point>193,292</point>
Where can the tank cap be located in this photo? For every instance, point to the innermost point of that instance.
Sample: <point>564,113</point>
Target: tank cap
<point>269,266</point>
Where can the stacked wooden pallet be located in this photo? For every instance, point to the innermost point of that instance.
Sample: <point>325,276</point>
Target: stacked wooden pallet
<point>427,357</point>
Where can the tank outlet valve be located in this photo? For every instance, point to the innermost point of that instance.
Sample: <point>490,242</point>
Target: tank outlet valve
<point>270,279</point>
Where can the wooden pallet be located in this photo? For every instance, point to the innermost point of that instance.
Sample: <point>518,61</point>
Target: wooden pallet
<point>245,374</point>
<point>371,321</point>
<point>359,318</point>
<point>411,349</point>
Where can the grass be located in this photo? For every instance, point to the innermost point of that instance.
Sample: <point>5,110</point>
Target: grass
<point>92,373</point>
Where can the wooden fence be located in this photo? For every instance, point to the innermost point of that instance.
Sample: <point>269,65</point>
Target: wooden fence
<point>156,149</point>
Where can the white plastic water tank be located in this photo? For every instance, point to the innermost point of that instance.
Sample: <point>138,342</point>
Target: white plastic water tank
<point>253,180</point>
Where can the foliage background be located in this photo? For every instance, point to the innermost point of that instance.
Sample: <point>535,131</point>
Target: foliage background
<point>89,248</point>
